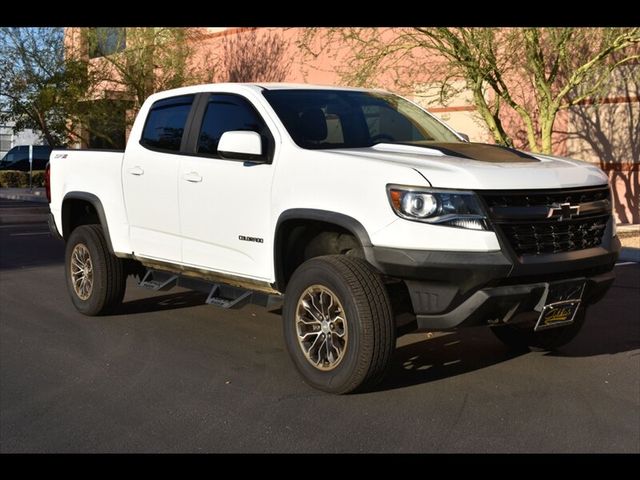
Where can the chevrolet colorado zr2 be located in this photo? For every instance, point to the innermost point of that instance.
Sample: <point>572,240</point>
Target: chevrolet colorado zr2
<point>350,206</point>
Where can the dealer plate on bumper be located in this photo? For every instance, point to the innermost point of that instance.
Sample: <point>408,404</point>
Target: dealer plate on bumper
<point>561,304</point>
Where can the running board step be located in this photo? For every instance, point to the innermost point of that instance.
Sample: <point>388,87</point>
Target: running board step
<point>220,295</point>
<point>158,281</point>
<point>225,296</point>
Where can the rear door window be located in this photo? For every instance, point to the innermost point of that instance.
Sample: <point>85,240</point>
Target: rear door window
<point>165,123</point>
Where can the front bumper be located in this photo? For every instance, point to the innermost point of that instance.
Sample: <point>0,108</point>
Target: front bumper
<point>506,304</point>
<point>452,289</point>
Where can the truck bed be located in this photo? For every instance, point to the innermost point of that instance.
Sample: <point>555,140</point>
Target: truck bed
<point>97,173</point>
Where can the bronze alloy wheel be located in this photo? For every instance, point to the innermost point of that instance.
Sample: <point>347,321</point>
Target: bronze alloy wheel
<point>338,323</point>
<point>81,271</point>
<point>321,325</point>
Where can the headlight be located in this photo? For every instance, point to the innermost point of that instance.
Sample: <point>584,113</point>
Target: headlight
<point>419,205</point>
<point>442,207</point>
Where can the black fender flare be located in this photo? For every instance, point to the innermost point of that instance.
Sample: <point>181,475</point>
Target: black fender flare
<point>97,204</point>
<point>341,220</point>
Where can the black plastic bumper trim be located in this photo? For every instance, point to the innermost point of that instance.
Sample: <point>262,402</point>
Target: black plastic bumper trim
<point>446,286</point>
<point>502,304</point>
<point>465,269</point>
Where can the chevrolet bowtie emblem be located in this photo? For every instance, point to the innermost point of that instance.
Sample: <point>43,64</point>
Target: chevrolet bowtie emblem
<point>563,211</point>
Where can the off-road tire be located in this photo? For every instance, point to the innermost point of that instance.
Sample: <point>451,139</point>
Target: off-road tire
<point>370,325</point>
<point>109,277</point>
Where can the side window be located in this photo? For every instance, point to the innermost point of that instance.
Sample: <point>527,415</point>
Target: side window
<point>41,153</point>
<point>225,113</point>
<point>165,123</point>
<point>22,153</point>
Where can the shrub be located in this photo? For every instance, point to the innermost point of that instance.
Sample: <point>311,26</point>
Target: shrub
<point>16,179</point>
<point>38,178</point>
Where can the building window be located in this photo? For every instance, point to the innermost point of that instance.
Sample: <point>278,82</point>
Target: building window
<point>106,41</point>
<point>6,139</point>
<point>109,132</point>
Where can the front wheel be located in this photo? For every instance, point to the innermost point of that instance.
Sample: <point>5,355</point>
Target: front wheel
<point>520,337</point>
<point>338,324</point>
<point>96,278</point>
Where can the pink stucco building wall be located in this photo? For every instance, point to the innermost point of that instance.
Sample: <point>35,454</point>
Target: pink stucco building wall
<point>607,134</point>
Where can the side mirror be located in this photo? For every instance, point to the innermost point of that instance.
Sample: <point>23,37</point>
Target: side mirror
<point>241,145</point>
<point>464,136</point>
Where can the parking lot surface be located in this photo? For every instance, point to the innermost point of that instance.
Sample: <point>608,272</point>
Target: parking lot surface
<point>169,374</point>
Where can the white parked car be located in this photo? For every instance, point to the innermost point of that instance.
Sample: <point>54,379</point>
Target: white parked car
<point>353,204</point>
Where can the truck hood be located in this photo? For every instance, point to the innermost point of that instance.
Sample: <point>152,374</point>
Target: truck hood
<point>480,166</point>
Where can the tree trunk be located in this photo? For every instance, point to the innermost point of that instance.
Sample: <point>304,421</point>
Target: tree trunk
<point>547,120</point>
<point>492,120</point>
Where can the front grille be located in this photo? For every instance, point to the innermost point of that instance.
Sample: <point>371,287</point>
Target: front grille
<point>547,237</point>
<point>523,218</point>
<point>547,198</point>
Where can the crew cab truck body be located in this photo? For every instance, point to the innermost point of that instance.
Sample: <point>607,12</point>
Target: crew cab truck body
<point>353,204</point>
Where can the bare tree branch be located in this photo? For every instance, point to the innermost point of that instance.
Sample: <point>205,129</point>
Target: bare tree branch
<point>532,72</point>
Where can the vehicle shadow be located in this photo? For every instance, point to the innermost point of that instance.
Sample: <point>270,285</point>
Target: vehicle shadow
<point>605,334</point>
<point>169,301</point>
<point>611,328</point>
<point>613,324</point>
<point>445,355</point>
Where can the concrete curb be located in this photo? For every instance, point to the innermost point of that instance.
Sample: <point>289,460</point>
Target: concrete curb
<point>628,254</point>
<point>38,195</point>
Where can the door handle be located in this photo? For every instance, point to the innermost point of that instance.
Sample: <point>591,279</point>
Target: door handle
<point>193,177</point>
<point>137,171</point>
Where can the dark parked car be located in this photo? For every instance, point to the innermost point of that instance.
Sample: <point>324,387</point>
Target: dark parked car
<point>18,158</point>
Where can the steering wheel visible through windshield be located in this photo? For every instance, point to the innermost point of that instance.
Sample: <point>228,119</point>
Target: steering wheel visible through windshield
<point>325,119</point>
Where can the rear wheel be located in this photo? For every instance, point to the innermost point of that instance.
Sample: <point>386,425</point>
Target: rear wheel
<point>338,324</point>
<point>521,337</point>
<point>96,278</point>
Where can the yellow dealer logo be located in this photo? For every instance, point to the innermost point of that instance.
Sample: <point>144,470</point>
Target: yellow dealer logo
<point>559,314</point>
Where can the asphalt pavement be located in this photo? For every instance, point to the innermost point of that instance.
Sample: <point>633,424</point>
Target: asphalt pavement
<point>170,374</point>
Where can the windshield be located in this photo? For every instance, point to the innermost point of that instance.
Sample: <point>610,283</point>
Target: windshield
<point>323,119</point>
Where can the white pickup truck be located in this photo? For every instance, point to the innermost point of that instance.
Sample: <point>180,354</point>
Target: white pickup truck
<point>369,215</point>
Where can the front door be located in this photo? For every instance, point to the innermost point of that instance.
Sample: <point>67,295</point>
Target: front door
<point>225,204</point>
<point>150,180</point>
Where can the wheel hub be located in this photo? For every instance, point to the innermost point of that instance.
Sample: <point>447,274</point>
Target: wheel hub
<point>321,327</point>
<point>81,268</point>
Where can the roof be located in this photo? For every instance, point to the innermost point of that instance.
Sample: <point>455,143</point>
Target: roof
<point>233,87</point>
<point>302,86</point>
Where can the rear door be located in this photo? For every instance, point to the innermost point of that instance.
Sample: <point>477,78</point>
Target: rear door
<point>225,203</point>
<point>150,180</point>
